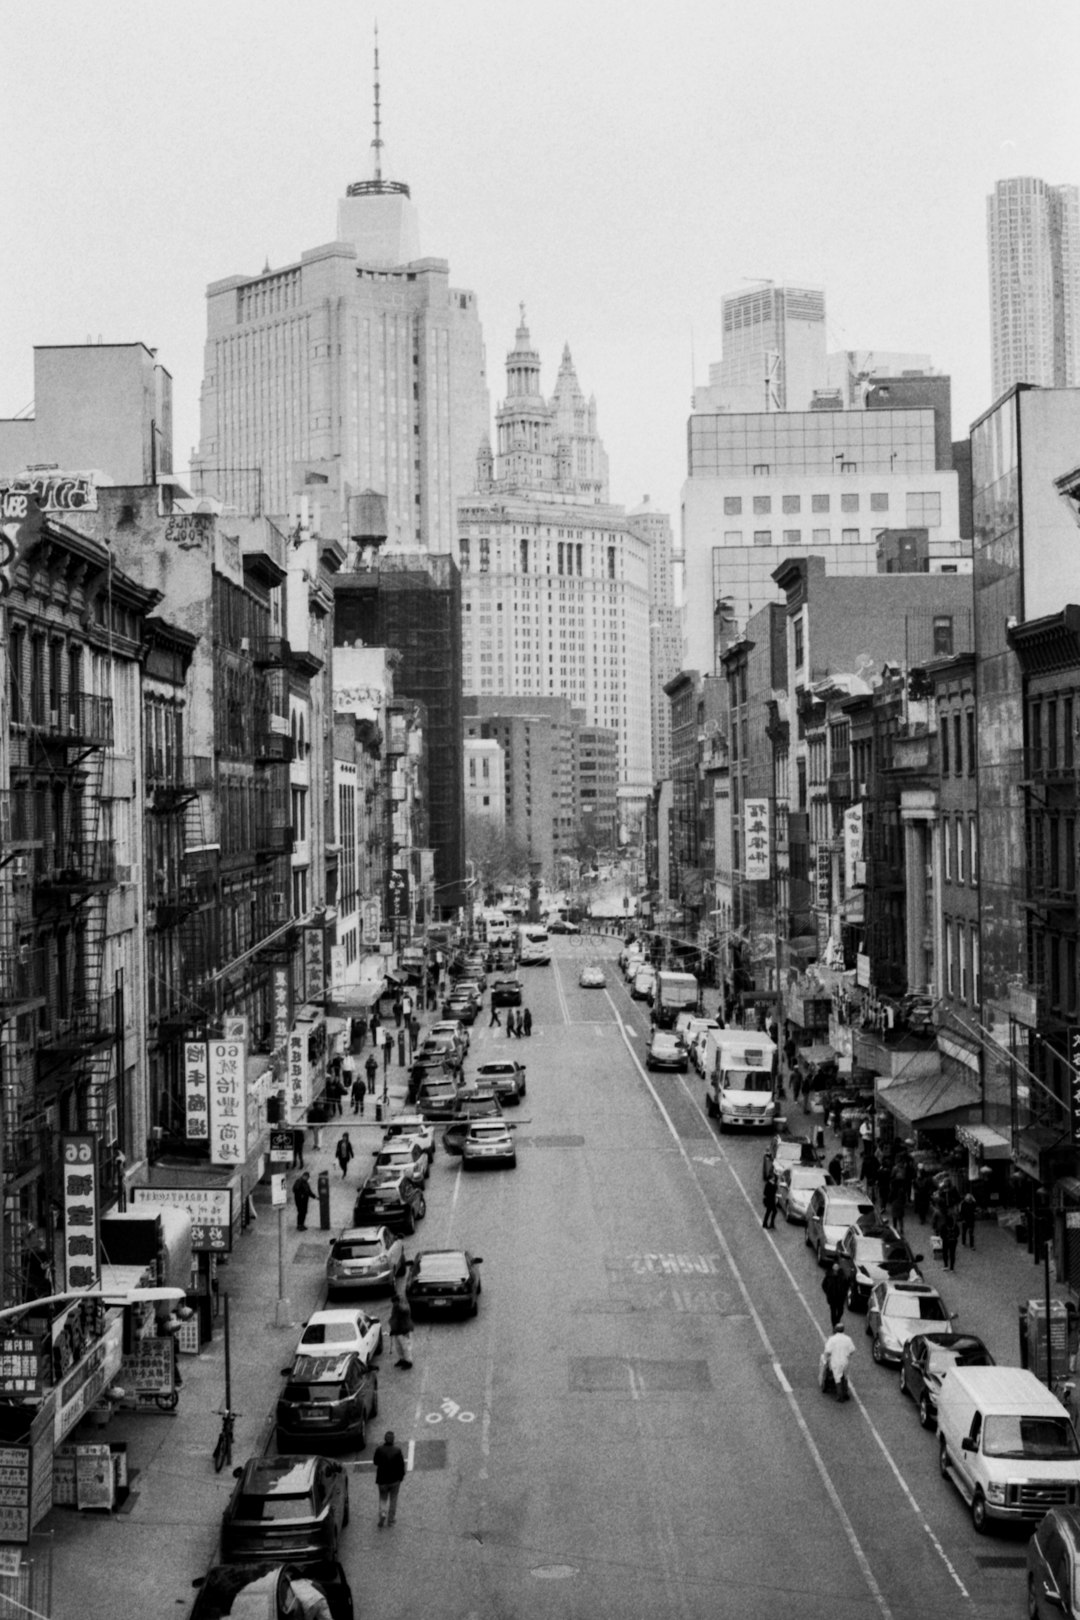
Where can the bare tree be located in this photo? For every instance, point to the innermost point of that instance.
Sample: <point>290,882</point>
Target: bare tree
<point>499,858</point>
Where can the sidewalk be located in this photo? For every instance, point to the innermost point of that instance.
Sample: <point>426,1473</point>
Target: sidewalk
<point>143,1558</point>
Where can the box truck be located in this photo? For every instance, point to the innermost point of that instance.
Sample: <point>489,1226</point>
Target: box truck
<point>740,1074</point>
<point>674,993</point>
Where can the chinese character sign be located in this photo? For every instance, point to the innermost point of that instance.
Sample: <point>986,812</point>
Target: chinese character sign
<point>281,1006</point>
<point>196,1092</point>
<point>313,964</point>
<point>757,863</point>
<point>824,877</point>
<point>397,896</point>
<point>853,830</point>
<point>228,1097</point>
<point>298,1080</point>
<point>80,1197</point>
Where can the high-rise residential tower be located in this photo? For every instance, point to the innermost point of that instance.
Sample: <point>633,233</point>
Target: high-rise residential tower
<point>1033,238</point>
<point>362,356</point>
<point>554,578</point>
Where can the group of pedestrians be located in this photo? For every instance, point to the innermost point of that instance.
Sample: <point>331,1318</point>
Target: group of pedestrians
<point>518,1021</point>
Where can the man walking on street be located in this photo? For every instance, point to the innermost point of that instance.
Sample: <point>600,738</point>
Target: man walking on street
<point>834,1288</point>
<point>343,1153</point>
<point>389,1460</point>
<point>768,1193</point>
<point>359,1092</point>
<point>495,1022</point>
<point>302,1196</point>
<point>835,1360</point>
<point>526,1021</point>
<point>298,1148</point>
<point>371,1069</point>
<point>388,1047</point>
<point>401,1326</point>
<point>950,1232</point>
<point>967,1212</point>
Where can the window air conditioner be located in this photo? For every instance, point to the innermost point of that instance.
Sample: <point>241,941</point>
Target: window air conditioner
<point>245,644</point>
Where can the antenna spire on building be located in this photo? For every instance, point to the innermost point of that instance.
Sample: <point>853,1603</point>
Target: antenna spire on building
<point>377,143</point>
<point>377,186</point>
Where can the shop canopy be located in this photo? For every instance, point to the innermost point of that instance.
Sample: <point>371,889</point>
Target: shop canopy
<point>346,999</point>
<point>983,1142</point>
<point>932,1102</point>
<point>817,1055</point>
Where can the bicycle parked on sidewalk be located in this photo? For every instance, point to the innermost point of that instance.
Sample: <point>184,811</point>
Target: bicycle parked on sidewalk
<point>223,1448</point>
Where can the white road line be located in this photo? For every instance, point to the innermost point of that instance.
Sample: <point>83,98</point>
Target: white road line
<point>819,1462</point>
<point>563,1003</point>
<point>781,1378</point>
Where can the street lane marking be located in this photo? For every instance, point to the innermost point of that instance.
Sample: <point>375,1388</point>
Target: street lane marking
<point>853,1541</point>
<point>780,1378</point>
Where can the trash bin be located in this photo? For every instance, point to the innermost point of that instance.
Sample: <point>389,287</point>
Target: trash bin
<point>324,1200</point>
<point>378,1113</point>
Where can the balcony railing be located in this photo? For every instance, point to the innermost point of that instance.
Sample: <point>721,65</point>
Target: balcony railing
<point>81,719</point>
<point>172,779</point>
<point>83,1021</point>
<point>1050,764</point>
<point>75,864</point>
<point>22,979</point>
<point>271,748</point>
<point>269,652</point>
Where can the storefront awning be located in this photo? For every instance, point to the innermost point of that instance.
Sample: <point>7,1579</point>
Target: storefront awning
<point>817,1054</point>
<point>983,1142</point>
<point>345,999</point>
<point>933,1102</point>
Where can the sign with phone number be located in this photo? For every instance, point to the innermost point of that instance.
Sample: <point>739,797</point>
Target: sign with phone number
<point>210,1209</point>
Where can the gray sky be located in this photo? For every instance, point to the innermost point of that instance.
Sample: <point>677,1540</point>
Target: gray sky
<point>617,167</point>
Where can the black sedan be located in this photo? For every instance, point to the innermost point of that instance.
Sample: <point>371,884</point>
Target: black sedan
<point>666,1051</point>
<point>867,1258</point>
<point>390,1198</point>
<point>444,1280</point>
<point>506,992</point>
<point>926,1359</point>
<point>327,1399</point>
<point>463,1007</point>
<point>281,1584</point>
<point>289,1508</point>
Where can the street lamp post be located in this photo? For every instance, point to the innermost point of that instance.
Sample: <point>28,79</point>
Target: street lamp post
<point>111,1296</point>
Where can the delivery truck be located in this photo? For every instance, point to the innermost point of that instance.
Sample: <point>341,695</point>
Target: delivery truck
<point>673,994</point>
<point>740,1074</point>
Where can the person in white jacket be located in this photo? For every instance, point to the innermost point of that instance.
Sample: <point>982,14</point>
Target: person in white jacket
<point>835,1359</point>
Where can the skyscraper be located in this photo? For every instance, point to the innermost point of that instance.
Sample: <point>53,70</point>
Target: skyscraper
<point>361,356</point>
<point>1033,238</point>
<point>774,349</point>
<point>665,625</point>
<point>554,579</point>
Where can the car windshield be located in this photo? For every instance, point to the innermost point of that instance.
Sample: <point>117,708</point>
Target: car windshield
<point>872,1251</point>
<point>748,1080</point>
<point>917,1307</point>
<point>1043,1439</point>
<point>842,1212</point>
<point>488,1133</point>
<point>330,1333</point>
<point>442,1268</point>
<point>315,1394</point>
<point>275,1507</point>
<point>808,1178</point>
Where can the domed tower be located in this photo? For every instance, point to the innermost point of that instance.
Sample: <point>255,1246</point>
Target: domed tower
<point>485,467</point>
<point>523,421</point>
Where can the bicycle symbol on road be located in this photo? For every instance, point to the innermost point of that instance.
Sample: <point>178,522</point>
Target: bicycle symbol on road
<point>450,1410</point>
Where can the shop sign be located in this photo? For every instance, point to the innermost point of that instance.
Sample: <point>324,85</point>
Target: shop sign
<point>1074,1059</point>
<point>80,1389</point>
<point>149,1369</point>
<point>853,844</point>
<point>228,1101</point>
<point>196,1092</point>
<point>338,966</point>
<point>862,971</point>
<point>298,1093</point>
<point>82,1267</point>
<point>236,1027</point>
<point>281,1006</point>
<point>397,896</point>
<point>95,1479</point>
<point>210,1209</point>
<point>21,1365</point>
<point>824,878</point>
<point>313,964</point>
<point>756,863</point>
<point>15,1493</point>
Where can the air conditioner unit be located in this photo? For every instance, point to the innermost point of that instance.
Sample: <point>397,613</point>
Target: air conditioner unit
<point>54,719</point>
<point>245,644</point>
<point>20,867</point>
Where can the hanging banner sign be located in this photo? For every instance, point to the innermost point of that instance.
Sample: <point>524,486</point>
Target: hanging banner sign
<point>196,1092</point>
<point>298,1093</point>
<point>82,1268</point>
<point>824,877</point>
<point>757,865</point>
<point>228,1101</point>
<point>853,843</point>
<point>281,1006</point>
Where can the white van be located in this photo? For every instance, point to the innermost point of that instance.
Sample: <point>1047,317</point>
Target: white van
<point>740,1074</point>
<point>1007,1444</point>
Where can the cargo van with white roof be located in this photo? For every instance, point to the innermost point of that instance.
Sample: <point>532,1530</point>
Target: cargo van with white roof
<point>740,1074</point>
<point>1007,1444</point>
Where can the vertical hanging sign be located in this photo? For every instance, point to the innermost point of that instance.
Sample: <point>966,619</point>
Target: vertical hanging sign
<point>756,863</point>
<point>281,1006</point>
<point>196,1092</point>
<point>82,1268</point>
<point>228,1098</point>
<point>853,843</point>
<point>299,1092</point>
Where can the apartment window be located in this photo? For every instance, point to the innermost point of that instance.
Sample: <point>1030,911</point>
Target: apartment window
<point>924,509</point>
<point>962,966</point>
<point>849,537</point>
<point>733,506</point>
<point>849,466</point>
<point>763,537</point>
<point>944,737</point>
<point>485,554</point>
<point>947,842</point>
<point>973,849</point>
<point>17,655</point>
<point>733,537</point>
<point>960,849</point>
<point>971,742</point>
<point>822,537</point>
<point>792,537</point>
<point>792,503</point>
<point>819,503</point>
<point>849,503</point>
<point>958,743</point>
<point>463,555</point>
<point>1067,740</point>
<point>762,505</point>
<point>950,959</point>
<point>800,646</point>
<point>880,502</point>
<point>524,556</point>
<point>611,562</point>
<point>976,986</point>
<point>762,469</point>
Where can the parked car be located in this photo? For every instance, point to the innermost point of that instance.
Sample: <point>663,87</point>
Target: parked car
<point>410,1127</point>
<point>270,1590</point>
<point>470,1106</point>
<point>562,925</point>
<point>440,1051</point>
<point>363,1257</point>
<point>592,977</point>
<point>643,984</point>
<point>474,971</point>
<point>488,1142</point>
<point>798,1184</point>
<point>395,1200</point>
<point>506,992</point>
<point>789,1148</point>
<point>505,1077</point>
<point>327,1398</point>
<point>832,1211</point>
<point>899,1310</point>
<point>287,1507</point>
<point>472,987</point>
<point>665,1051</point>
<point>435,1098</point>
<point>1053,1567</point>
<point>454,1028</point>
<point>461,1006</point>
<point>403,1154</point>
<point>867,1258</point>
<point>337,1331</point>
<point>927,1357</point>
<point>443,1280</point>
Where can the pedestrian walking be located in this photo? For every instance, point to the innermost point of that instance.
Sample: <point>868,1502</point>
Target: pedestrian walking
<point>869,1166</point>
<point>836,1169</point>
<point>302,1196</point>
<point>388,1047</point>
<point>768,1196</point>
<point>921,1193</point>
<point>414,1031</point>
<point>360,1031</point>
<point>376,1020</point>
<point>494,1022</point>
<point>897,1201</point>
<point>401,1327</point>
<point>397,1010</point>
<point>371,1069</point>
<point>343,1153</point>
<point>416,1080</point>
<point>359,1092</point>
<point>967,1213</point>
<point>526,1021</point>
<point>835,1360</point>
<point>766,1165</point>
<point>950,1232</point>
<point>406,1006</point>
<point>389,1460</point>
<point>834,1287</point>
<point>884,1184</point>
<point>298,1148</point>
<point>401,1037</point>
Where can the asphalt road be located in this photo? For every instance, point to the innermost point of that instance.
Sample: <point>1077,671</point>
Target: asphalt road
<point>632,1425</point>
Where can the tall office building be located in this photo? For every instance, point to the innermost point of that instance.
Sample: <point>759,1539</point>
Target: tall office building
<point>1033,238</point>
<point>774,349</point>
<point>665,626</point>
<point>554,578</point>
<point>360,355</point>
